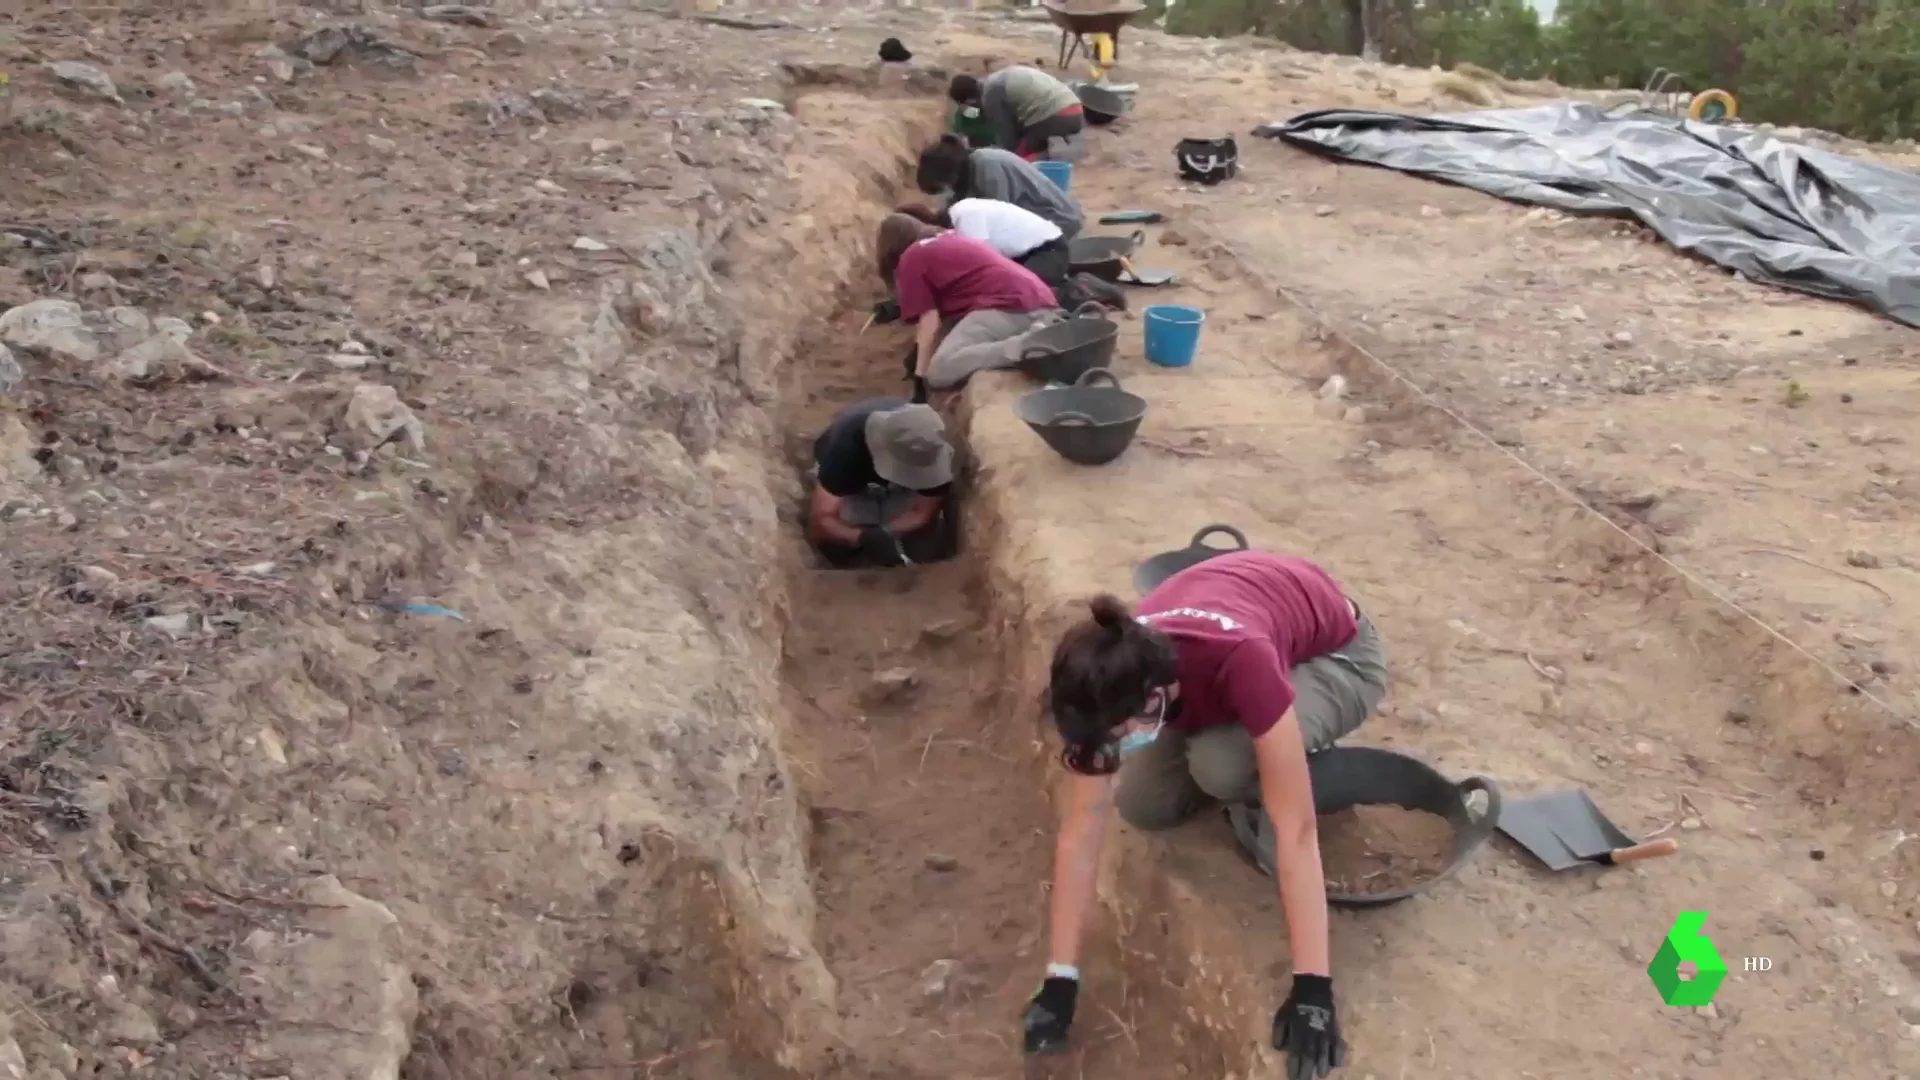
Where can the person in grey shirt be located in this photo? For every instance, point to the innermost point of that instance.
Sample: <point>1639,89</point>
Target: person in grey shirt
<point>1032,113</point>
<point>949,167</point>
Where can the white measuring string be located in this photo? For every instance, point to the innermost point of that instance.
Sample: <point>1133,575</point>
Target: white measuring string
<point>1327,327</point>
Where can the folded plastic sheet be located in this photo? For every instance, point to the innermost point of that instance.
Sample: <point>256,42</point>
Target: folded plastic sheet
<point>1790,215</point>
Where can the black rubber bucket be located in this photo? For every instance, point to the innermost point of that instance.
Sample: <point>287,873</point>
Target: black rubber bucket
<point>1101,105</point>
<point>1149,574</point>
<point>1091,422</point>
<point>1347,776</point>
<point>1063,352</point>
<point>1102,256</point>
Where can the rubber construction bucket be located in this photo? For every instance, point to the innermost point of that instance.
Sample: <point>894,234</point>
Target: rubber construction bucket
<point>1060,172</point>
<point>1173,334</point>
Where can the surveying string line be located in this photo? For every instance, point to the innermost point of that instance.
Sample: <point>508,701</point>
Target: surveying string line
<point>1327,327</point>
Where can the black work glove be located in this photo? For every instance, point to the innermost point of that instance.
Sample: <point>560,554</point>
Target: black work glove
<point>878,543</point>
<point>886,311</point>
<point>919,390</point>
<point>1307,1029</point>
<point>1049,1015</point>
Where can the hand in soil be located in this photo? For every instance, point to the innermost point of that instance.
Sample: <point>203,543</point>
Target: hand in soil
<point>879,544</point>
<point>1307,1030</point>
<point>1049,1015</point>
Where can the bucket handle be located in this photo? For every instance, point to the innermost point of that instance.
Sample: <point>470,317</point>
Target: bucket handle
<point>1037,352</point>
<point>1070,418</point>
<point>1097,375</point>
<point>1199,538</point>
<point>1482,827</point>
<point>1138,236</point>
<point>1091,309</point>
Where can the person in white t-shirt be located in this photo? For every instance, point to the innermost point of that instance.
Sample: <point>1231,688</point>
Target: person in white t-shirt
<point>1013,231</point>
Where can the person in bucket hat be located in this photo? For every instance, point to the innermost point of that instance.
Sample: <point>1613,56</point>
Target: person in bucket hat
<point>883,475</point>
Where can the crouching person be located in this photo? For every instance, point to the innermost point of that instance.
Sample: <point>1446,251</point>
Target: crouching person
<point>883,487</point>
<point>970,305</point>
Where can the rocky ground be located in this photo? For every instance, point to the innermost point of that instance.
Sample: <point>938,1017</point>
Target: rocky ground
<point>392,465</point>
<point>353,363</point>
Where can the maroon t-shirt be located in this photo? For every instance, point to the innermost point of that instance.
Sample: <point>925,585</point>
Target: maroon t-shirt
<point>957,275</point>
<point>1239,624</point>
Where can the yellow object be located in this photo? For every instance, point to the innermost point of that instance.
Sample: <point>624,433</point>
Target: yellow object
<point>1102,59</point>
<point>1713,106</point>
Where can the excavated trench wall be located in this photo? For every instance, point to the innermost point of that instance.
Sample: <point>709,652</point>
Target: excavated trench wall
<point>558,834</point>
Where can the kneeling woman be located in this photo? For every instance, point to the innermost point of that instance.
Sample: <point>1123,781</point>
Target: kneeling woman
<point>951,168</point>
<point>883,484</point>
<point>985,302</point>
<point>1032,113</point>
<point>1233,672</point>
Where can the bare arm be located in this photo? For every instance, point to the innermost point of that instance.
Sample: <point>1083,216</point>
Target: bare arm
<point>823,519</point>
<point>1287,792</point>
<point>999,112</point>
<point>1076,859</point>
<point>926,333</point>
<point>918,515</point>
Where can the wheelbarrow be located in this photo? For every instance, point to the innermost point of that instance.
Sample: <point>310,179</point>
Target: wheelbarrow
<point>1091,422</point>
<point>1077,27</point>
<point>1105,257</point>
<point>1665,91</point>
<point>1063,352</point>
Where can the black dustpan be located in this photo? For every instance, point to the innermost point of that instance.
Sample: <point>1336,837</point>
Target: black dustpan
<point>1565,829</point>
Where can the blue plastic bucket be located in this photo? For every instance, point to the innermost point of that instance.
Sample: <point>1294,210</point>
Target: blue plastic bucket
<point>1173,333</point>
<point>1060,172</point>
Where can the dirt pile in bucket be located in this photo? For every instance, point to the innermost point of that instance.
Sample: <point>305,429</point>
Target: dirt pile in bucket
<point>1377,849</point>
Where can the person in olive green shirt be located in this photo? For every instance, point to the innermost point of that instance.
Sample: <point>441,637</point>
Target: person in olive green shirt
<point>1031,113</point>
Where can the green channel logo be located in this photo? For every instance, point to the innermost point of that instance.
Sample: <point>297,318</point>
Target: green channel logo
<point>1685,943</point>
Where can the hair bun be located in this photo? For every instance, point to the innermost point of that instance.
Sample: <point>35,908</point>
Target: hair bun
<point>1111,613</point>
<point>953,139</point>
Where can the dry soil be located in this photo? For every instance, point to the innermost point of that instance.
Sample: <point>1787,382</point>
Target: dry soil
<point>528,314</point>
<point>1378,849</point>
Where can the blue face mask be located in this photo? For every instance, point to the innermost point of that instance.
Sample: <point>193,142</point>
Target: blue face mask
<point>1134,741</point>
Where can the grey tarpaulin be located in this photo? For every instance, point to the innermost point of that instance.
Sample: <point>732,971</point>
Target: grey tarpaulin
<point>1793,216</point>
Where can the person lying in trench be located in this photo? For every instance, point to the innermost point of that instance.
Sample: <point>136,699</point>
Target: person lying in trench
<point>1232,672</point>
<point>882,485</point>
<point>971,306</point>
<point>1030,112</point>
<point>951,169</point>
<point>1013,231</point>
<point>1020,235</point>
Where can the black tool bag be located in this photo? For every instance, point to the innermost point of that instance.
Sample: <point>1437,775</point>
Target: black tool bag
<point>1207,161</point>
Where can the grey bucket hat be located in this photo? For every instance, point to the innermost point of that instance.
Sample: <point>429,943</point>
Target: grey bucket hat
<point>910,448</point>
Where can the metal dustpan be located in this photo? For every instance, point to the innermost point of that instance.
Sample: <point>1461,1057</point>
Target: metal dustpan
<point>1565,829</point>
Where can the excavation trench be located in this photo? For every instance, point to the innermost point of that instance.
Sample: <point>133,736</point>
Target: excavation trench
<point>1531,640</point>
<point>926,774</point>
<point>906,936</point>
